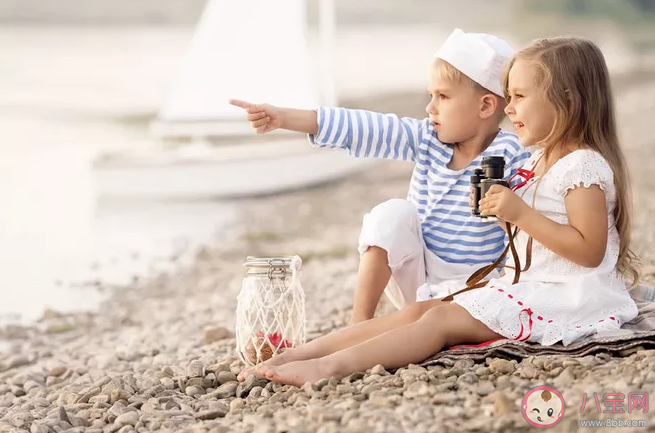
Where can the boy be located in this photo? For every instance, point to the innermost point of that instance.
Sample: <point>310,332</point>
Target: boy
<point>405,245</point>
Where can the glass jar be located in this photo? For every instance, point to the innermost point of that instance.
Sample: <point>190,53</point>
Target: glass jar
<point>271,308</point>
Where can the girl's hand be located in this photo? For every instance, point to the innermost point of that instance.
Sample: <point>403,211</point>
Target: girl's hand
<point>504,204</point>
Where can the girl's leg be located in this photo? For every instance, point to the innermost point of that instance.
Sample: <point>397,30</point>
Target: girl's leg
<point>442,326</point>
<point>347,337</point>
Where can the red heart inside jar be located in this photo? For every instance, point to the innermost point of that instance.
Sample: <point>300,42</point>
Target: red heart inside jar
<point>268,346</point>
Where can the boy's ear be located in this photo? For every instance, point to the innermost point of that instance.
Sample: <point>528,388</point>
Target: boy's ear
<point>488,105</point>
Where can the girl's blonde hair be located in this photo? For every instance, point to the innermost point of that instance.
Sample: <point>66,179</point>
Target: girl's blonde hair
<point>573,75</point>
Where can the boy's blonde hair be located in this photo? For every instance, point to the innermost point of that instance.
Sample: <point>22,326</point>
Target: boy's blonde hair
<point>448,72</point>
<point>574,78</point>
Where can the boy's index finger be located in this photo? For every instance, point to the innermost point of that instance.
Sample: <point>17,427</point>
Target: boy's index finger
<point>241,104</point>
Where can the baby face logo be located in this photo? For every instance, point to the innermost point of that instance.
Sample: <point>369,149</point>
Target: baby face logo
<point>543,407</point>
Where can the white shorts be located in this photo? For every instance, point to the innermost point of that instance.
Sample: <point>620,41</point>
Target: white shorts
<point>416,271</point>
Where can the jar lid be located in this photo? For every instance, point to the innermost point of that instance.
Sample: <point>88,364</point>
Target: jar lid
<point>265,264</point>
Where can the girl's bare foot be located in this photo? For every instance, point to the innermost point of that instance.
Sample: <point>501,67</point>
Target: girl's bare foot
<point>279,359</point>
<point>297,372</point>
<point>245,373</point>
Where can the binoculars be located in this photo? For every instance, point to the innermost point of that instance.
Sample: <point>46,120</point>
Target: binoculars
<point>491,173</point>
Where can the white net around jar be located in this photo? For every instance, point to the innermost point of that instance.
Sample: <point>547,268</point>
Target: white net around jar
<point>270,309</point>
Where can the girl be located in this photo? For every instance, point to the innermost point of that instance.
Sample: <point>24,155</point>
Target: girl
<point>573,217</point>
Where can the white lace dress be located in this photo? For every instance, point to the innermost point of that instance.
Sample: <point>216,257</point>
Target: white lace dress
<point>556,299</point>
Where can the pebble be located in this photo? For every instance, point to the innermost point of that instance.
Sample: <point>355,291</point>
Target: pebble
<point>468,377</point>
<point>130,417</point>
<point>167,383</point>
<point>214,334</point>
<point>226,390</point>
<point>483,387</point>
<point>565,379</point>
<point>482,371</point>
<point>244,388</point>
<point>193,391</point>
<point>210,414</point>
<point>226,376</point>
<point>236,404</point>
<point>529,372</point>
<point>379,370</point>
<point>501,366</point>
<point>195,369</point>
<point>417,389</point>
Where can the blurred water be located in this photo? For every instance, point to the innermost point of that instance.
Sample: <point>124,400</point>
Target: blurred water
<point>55,233</point>
<point>62,94</point>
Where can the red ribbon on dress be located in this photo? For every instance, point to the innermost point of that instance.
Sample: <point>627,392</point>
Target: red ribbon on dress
<point>520,337</point>
<point>525,174</point>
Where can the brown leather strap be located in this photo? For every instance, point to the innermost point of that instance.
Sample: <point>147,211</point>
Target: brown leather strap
<point>481,273</point>
<point>528,255</point>
<point>475,280</point>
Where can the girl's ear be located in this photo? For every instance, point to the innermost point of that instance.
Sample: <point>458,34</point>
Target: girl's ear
<point>569,98</point>
<point>488,105</point>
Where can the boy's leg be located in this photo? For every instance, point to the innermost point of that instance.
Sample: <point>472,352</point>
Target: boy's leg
<point>372,278</point>
<point>391,258</point>
<point>441,326</point>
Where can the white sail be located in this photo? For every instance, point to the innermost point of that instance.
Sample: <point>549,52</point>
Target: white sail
<point>246,49</point>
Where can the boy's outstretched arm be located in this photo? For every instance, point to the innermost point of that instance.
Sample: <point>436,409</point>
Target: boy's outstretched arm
<point>364,134</point>
<point>266,118</point>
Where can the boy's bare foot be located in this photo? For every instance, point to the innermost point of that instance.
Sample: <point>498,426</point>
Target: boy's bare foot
<point>297,373</point>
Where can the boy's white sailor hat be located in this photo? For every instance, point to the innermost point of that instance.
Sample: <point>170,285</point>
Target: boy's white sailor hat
<point>480,56</point>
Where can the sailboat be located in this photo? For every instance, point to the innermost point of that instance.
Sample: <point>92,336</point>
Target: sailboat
<point>247,49</point>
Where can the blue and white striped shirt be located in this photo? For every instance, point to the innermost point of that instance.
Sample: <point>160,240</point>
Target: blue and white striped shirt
<point>440,194</point>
